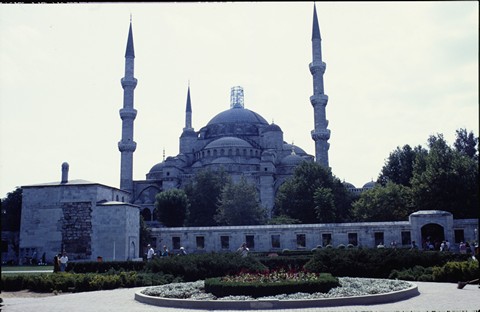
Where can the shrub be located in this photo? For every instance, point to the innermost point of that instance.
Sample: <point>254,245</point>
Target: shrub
<point>417,273</point>
<point>260,285</point>
<point>456,271</point>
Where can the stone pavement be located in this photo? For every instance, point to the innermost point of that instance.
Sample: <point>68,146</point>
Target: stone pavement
<point>433,297</point>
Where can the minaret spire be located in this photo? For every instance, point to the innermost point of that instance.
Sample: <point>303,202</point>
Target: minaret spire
<point>319,99</point>
<point>188,111</point>
<point>127,146</point>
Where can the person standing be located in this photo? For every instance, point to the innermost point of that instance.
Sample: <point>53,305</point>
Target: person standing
<point>243,250</point>
<point>63,262</point>
<point>165,251</point>
<point>56,264</point>
<point>150,253</point>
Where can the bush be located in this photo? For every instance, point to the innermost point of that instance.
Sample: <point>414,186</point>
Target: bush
<point>221,288</point>
<point>456,271</point>
<point>417,273</point>
<point>374,263</point>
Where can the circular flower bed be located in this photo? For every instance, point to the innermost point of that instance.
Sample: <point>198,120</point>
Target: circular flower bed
<point>349,287</point>
<point>270,284</point>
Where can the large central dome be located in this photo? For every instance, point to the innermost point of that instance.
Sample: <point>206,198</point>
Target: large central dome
<point>237,115</point>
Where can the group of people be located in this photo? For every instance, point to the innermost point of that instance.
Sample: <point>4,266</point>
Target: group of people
<point>60,262</point>
<point>151,254</point>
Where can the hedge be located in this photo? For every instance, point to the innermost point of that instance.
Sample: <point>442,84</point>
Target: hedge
<point>221,288</point>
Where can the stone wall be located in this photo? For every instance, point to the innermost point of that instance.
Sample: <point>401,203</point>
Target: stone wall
<point>77,229</point>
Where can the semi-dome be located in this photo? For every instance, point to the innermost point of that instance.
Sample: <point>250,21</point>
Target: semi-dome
<point>228,142</point>
<point>296,149</point>
<point>237,115</point>
<point>157,168</point>
<point>348,185</point>
<point>292,160</point>
<point>272,128</point>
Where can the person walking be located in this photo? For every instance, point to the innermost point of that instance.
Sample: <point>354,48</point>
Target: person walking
<point>150,253</point>
<point>243,250</point>
<point>63,262</point>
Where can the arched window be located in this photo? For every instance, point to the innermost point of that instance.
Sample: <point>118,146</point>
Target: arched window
<point>146,214</point>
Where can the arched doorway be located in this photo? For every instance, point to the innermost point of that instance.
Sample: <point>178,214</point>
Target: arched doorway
<point>131,251</point>
<point>146,214</point>
<point>434,234</point>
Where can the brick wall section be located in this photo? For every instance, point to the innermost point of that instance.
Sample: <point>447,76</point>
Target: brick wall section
<point>77,229</point>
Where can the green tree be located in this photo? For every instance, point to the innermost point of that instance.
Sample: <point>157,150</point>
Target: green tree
<point>466,143</point>
<point>392,202</point>
<point>203,192</point>
<point>171,207</point>
<point>304,196</point>
<point>145,235</point>
<point>12,210</point>
<point>283,219</point>
<point>399,166</point>
<point>448,180</point>
<point>239,205</point>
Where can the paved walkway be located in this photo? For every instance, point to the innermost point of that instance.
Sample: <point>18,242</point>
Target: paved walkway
<point>433,297</point>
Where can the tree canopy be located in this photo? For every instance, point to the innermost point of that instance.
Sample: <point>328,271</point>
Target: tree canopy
<point>171,207</point>
<point>12,210</point>
<point>313,195</point>
<point>203,192</point>
<point>239,205</point>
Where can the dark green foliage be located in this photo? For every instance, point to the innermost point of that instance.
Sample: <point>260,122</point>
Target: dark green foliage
<point>68,282</point>
<point>103,267</point>
<point>258,289</point>
<point>287,263</point>
<point>398,168</point>
<point>417,273</point>
<point>203,193</point>
<point>313,195</point>
<point>11,210</point>
<point>371,204</point>
<point>171,207</point>
<point>456,271</point>
<point>374,263</point>
<point>195,267</point>
<point>239,205</point>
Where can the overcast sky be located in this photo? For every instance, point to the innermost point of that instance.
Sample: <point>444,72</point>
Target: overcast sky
<point>397,72</point>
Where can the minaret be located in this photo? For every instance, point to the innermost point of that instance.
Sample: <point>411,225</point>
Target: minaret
<point>188,112</point>
<point>189,136</point>
<point>127,146</point>
<point>319,99</point>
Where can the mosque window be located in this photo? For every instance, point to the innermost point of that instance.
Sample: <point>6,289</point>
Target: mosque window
<point>406,238</point>
<point>326,239</point>
<point>276,241</point>
<point>250,240</point>
<point>301,241</point>
<point>353,239</point>
<point>222,152</point>
<point>176,242</point>
<point>225,242</point>
<point>116,198</point>
<point>146,214</point>
<point>379,238</point>
<point>200,240</point>
<point>459,236</point>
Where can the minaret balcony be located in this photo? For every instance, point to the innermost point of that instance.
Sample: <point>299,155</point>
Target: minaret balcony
<point>129,82</point>
<point>320,134</point>
<point>127,146</point>
<point>319,99</point>
<point>317,67</point>
<point>128,113</point>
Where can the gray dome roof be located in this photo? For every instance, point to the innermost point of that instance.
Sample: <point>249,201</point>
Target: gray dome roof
<point>228,142</point>
<point>157,168</point>
<point>237,115</point>
<point>298,150</point>
<point>292,160</point>
<point>271,128</point>
<point>223,160</point>
<point>370,184</point>
<point>348,185</point>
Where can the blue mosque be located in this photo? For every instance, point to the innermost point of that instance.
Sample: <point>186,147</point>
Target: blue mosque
<point>238,140</point>
<point>89,220</point>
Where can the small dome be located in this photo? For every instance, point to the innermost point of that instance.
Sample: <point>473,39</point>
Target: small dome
<point>227,142</point>
<point>348,185</point>
<point>369,185</point>
<point>296,149</point>
<point>272,128</point>
<point>292,160</point>
<point>157,168</point>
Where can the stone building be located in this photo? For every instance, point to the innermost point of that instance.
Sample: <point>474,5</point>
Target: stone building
<point>86,219</point>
